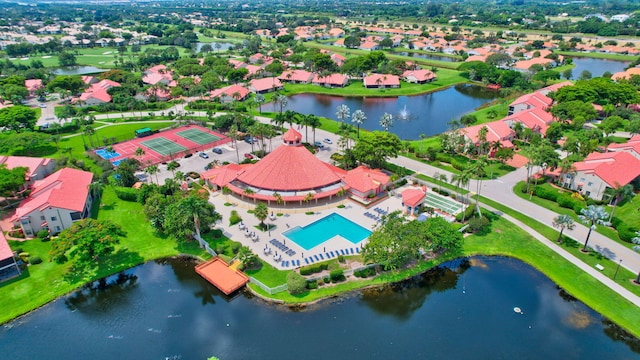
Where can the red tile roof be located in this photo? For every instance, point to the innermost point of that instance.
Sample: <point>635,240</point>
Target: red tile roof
<point>66,189</point>
<point>381,80</point>
<point>419,75</point>
<point>333,79</point>
<point>265,84</point>
<point>413,196</point>
<point>297,76</point>
<point>32,163</point>
<point>5,250</point>
<point>292,136</point>
<point>497,130</point>
<point>33,84</point>
<point>230,91</point>
<point>535,119</point>
<point>554,87</point>
<point>534,99</point>
<point>614,168</point>
<point>364,179</point>
<point>289,168</point>
<point>221,176</point>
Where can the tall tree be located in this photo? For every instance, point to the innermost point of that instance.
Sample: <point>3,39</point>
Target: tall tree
<point>88,240</point>
<point>386,121</point>
<point>563,222</point>
<point>592,215</point>
<point>261,212</point>
<point>185,217</point>
<point>343,112</point>
<point>358,118</point>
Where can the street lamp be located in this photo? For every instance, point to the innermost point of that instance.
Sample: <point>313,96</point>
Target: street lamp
<point>617,268</point>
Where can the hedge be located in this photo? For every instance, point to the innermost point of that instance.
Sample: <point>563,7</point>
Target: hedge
<point>126,194</point>
<point>314,268</point>
<point>366,272</point>
<point>625,232</point>
<point>35,260</point>
<point>336,275</point>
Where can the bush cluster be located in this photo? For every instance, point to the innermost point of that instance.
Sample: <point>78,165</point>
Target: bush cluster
<point>312,284</point>
<point>364,273</point>
<point>314,268</point>
<point>35,260</point>
<point>234,218</point>
<point>336,275</point>
<point>625,232</point>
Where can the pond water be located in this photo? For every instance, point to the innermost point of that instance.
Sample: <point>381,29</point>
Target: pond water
<point>426,56</point>
<point>163,310</point>
<point>597,67</point>
<point>427,114</point>
<point>78,70</point>
<point>223,46</point>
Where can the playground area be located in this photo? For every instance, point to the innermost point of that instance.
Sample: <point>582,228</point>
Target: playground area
<point>166,145</point>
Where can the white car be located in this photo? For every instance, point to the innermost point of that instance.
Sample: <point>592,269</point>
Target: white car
<point>328,141</point>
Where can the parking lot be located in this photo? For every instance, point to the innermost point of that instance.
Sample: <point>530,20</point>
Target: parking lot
<point>197,164</point>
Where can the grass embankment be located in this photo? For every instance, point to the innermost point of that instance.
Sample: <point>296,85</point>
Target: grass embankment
<point>596,55</point>
<point>47,281</point>
<point>627,211</point>
<point>573,247</point>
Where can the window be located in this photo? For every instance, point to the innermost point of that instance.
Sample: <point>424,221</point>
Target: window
<point>28,233</point>
<point>25,222</point>
<point>53,218</point>
<point>589,183</point>
<point>42,217</point>
<point>58,228</point>
<point>76,216</point>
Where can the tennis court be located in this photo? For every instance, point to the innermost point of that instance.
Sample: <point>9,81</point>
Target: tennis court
<point>443,203</point>
<point>163,146</point>
<point>198,136</point>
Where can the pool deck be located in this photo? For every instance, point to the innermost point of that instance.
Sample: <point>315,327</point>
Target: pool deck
<point>294,215</point>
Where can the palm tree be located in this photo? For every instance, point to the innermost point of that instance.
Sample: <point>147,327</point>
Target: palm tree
<point>281,101</point>
<point>233,134</point>
<point>139,152</point>
<point>592,215</point>
<point>261,212</point>
<point>343,112</point>
<point>95,188</point>
<point>563,222</point>
<point>477,169</point>
<point>259,99</point>
<point>196,207</point>
<point>172,166</point>
<point>314,122</point>
<point>358,118</point>
<point>620,194</point>
<point>636,240</point>
<point>88,131</point>
<point>152,170</point>
<point>386,121</point>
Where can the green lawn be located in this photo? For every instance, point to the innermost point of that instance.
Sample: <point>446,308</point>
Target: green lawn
<point>629,214</point>
<point>45,282</point>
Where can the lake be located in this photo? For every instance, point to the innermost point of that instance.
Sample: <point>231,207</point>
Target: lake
<point>427,56</point>
<point>427,114</point>
<point>163,310</point>
<point>78,70</point>
<point>597,67</point>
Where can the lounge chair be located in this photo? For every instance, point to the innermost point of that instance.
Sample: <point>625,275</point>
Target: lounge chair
<point>293,253</point>
<point>341,251</point>
<point>358,250</point>
<point>297,262</point>
<point>352,251</point>
<point>316,257</point>
<point>321,257</point>
<point>307,261</point>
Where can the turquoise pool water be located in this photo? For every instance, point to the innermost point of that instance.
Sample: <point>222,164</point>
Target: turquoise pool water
<point>324,229</point>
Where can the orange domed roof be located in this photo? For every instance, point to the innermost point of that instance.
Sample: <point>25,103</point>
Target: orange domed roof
<point>292,136</point>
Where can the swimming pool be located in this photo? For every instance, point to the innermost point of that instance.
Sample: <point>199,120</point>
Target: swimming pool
<point>324,229</point>
<point>106,154</point>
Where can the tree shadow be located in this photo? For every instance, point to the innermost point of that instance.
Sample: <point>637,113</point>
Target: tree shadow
<point>84,271</point>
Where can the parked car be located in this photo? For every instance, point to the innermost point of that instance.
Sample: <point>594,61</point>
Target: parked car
<point>43,105</point>
<point>319,144</point>
<point>248,156</point>
<point>217,150</point>
<point>328,141</point>
<point>203,155</point>
<point>250,140</point>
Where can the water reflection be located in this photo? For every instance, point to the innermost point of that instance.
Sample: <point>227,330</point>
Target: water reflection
<point>426,56</point>
<point>431,112</point>
<point>401,300</point>
<point>103,294</point>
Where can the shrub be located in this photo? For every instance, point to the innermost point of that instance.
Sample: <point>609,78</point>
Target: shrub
<point>336,275</point>
<point>126,194</point>
<point>313,284</point>
<point>234,218</point>
<point>220,249</point>
<point>478,224</point>
<point>296,284</point>
<point>235,247</point>
<point>217,233</point>
<point>35,260</point>
<point>545,193</point>
<point>18,250</point>
<point>43,234</point>
<point>364,273</point>
<point>24,256</point>
<point>341,259</point>
<point>326,280</point>
<point>458,165</point>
